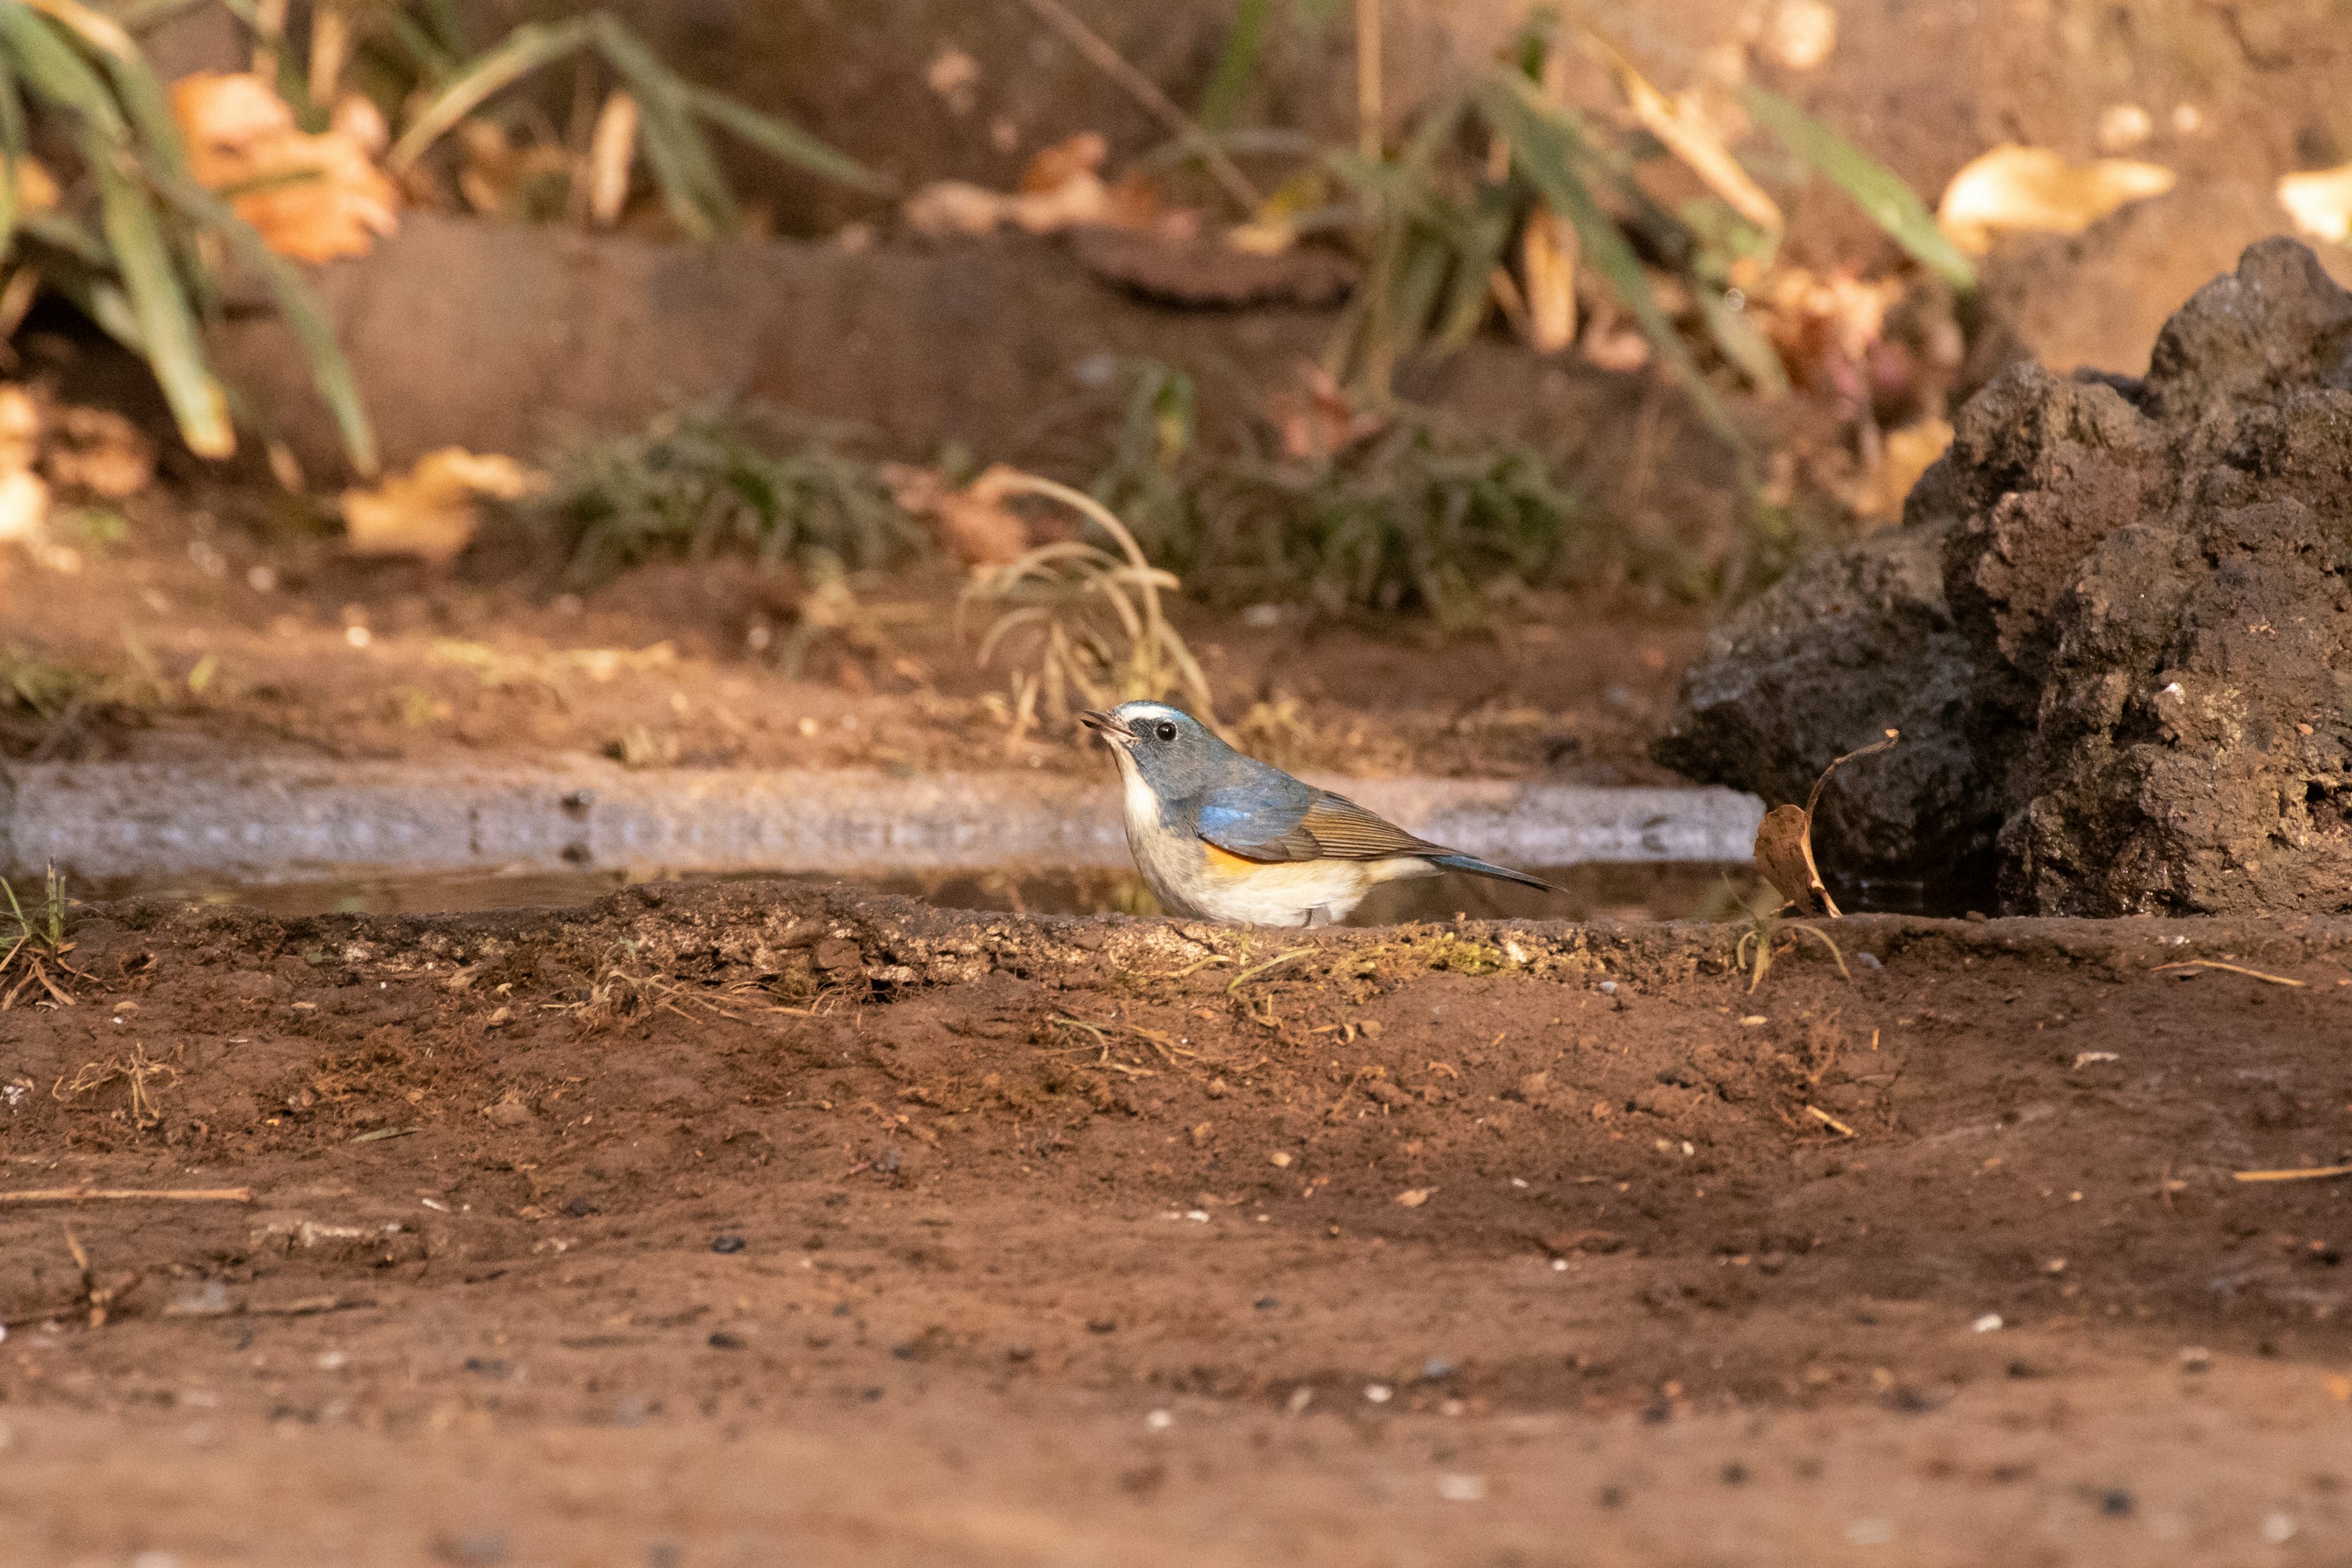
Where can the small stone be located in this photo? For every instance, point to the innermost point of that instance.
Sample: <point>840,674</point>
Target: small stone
<point>727,1244</point>
<point>511,1109</point>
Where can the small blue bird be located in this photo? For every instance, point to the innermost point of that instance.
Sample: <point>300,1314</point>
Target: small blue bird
<point>1222,836</point>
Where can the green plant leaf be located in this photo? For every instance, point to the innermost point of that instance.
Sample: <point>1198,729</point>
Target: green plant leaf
<point>330,371</point>
<point>696,193</point>
<point>402,35</point>
<point>1479,243</point>
<point>156,135</point>
<point>67,233</point>
<point>1547,147</point>
<point>527,48</point>
<point>1876,189</point>
<point>783,140</point>
<point>1236,64</point>
<point>167,326</point>
<point>1741,343</point>
<point>54,71</point>
<point>12,153</point>
<point>449,27</point>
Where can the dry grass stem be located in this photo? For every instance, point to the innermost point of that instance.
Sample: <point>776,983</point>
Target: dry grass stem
<point>1145,92</point>
<point>2308,1173</point>
<point>2228,968</point>
<point>145,1076</point>
<point>1093,619</point>
<point>1826,1120</point>
<point>1760,940</point>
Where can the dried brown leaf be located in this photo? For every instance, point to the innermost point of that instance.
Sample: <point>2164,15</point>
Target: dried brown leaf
<point>1784,844</point>
<point>2014,189</point>
<point>431,511</point>
<point>309,198</point>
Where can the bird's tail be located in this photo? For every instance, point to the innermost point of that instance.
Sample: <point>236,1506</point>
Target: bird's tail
<point>1478,867</point>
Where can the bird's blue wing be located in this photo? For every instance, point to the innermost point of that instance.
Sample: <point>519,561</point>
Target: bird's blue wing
<point>1278,818</point>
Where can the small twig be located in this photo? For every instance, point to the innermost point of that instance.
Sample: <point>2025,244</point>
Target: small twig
<point>1146,91</point>
<point>129,1194</point>
<point>1823,1117</point>
<point>2231,968</point>
<point>308,1305</point>
<point>2313,1173</point>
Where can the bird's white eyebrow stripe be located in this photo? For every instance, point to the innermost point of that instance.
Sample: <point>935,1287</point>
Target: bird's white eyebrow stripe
<point>1153,709</point>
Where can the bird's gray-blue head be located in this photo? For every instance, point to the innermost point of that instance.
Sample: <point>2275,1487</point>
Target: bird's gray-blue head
<point>1174,753</point>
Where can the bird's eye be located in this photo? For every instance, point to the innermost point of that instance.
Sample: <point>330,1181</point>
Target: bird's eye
<point>1166,732</point>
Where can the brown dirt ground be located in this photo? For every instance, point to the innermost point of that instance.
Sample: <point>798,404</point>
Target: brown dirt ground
<point>758,1224</point>
<point>663,659</point>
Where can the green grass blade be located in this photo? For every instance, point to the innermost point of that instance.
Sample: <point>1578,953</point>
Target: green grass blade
<point>52,71</point>
<point>11,153</point>
<point>403,39</point>
<point>1236,65</point>
<point>155,134</point>
<point>93,291</point>
<point>448,28</point>
<point>692,187</point>
<point>527,48</point>
<point>160,304</point>
<point>783,140</point>
<point>1741,343</point>
<point>330,371</point>
<point>1484,236</point>
<point>1876,188</point>
<point>1549,150</point>
<point>69,235</point>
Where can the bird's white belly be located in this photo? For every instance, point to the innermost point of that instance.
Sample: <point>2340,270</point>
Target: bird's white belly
<point>1310,892</point>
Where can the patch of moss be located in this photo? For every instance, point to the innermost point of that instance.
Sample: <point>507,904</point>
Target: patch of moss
<point>1459,955</point>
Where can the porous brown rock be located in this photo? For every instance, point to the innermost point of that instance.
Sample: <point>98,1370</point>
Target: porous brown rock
<point>2137,671</point>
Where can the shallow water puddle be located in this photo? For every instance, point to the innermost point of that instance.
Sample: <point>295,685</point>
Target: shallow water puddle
<point>1658,892</point>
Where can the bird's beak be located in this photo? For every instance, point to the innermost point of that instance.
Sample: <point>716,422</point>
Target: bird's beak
<point>1108,728</point>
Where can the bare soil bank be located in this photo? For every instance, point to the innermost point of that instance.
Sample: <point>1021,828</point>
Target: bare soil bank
<point>746,1223</point>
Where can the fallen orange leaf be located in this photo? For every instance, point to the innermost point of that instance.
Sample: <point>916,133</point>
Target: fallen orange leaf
<point>309,198</point>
